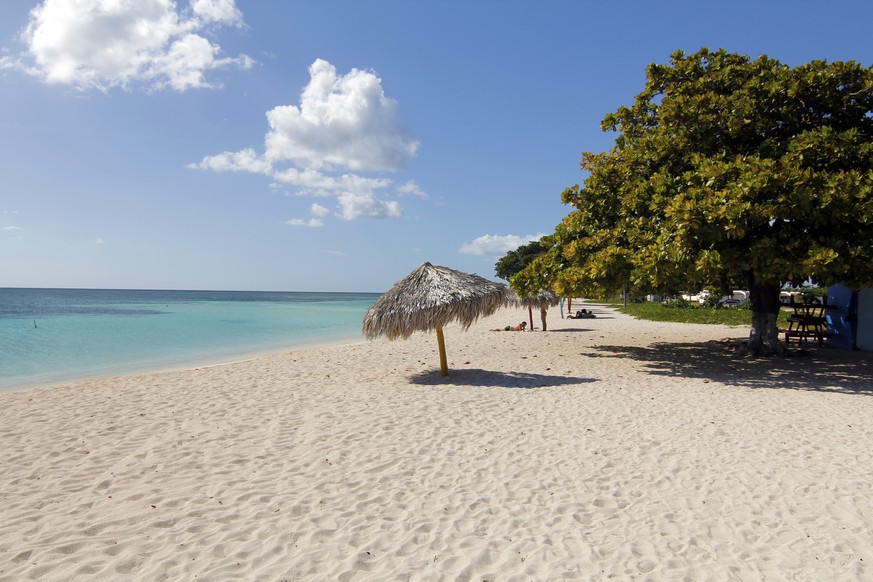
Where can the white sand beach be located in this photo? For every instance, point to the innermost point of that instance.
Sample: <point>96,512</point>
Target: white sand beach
<point>603,449</point>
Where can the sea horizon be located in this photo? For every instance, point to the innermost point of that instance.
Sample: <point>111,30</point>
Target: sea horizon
<point>63,334</point>
<point>169,289</point>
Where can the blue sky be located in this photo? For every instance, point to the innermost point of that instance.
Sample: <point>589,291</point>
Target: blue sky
<point>328,145</point>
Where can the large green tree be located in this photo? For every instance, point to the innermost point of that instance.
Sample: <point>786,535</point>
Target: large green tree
<point>726,172</point>
<point>514,261</point>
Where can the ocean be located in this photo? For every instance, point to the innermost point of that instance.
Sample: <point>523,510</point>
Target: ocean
<point>58,335</point>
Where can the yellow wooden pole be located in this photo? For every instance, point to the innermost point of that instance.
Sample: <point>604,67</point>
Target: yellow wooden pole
<point>444,365</point>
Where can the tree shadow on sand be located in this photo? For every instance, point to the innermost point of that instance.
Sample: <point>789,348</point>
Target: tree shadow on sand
<point>808,368</point>
<point>479,377</point>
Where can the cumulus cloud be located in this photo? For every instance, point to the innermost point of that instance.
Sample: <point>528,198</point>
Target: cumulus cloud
<point>343,130</point>
<point>342,121</point>
<point>316,210</point>
<point>411,189</point>
<point>496,244</point>
<point>316,183</point>
<point>364,205</point>
<point>246,160</point>
<point>217,11</point>
<point>102,44</point>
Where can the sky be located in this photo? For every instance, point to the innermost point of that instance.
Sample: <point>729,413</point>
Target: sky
<point>329,145</point>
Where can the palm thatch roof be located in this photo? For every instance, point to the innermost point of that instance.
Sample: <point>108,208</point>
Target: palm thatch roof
<point>430,297</point>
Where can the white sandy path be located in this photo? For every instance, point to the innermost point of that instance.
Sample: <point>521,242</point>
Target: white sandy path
<point>603,449</point>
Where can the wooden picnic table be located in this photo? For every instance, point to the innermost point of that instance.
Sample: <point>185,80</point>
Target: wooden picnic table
<point>807,321</point>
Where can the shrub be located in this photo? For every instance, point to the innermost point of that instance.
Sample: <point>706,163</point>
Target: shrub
<point>712,301</point>
<point>678,303</point>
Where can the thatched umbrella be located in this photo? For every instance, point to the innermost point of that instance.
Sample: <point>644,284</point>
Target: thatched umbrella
<point>543,300</point>
<point>429,298</point>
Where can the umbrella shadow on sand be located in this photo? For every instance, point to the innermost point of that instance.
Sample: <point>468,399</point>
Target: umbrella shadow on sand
<point>493,378</point>
<point>811,367</point>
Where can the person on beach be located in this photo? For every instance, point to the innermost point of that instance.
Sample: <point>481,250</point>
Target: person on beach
<point>583,314</point>
<point>519,327</point>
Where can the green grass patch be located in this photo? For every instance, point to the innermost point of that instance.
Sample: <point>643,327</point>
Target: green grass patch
<point>728,316</point>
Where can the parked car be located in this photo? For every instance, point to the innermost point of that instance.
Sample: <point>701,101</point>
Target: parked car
<point>697,298</point>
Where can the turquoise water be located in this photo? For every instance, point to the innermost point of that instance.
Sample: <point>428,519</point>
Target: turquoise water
<point>55,335</point>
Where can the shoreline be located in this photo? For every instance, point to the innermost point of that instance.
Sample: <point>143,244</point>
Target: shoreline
<point>609,448</point>
<point>94,333</point>
<point>164,365</point>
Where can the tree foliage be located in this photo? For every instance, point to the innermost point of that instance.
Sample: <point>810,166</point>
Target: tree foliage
<point>514,261</point>
<point>726,172</point>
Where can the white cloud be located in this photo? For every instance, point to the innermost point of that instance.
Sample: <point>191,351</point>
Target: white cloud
<point>354,206</point>
<point>246,160</point>
<point>343,128</point>
<point>14,232</point>
<point>315,183</point>
<point>412,189</point>
<point>318,210</point>
<point>217,11</point>
<point>342,121</point>
<point>497,245</point>
<point>102,44</point>
<point>312,222</point>
<point>99,241</point>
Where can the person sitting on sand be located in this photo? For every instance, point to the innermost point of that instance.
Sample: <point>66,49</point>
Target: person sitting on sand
<point>583,314</point>
<point>519,327</point>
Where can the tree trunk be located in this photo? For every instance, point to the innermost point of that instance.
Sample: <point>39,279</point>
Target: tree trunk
<point>764,336</point>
